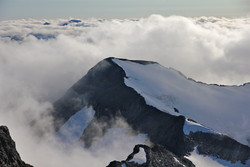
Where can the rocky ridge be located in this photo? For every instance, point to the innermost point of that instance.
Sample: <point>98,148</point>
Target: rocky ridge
<point>157,156</point>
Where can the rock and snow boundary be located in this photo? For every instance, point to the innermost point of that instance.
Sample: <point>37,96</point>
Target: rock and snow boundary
<point>161,103</point>
<point>216,107</point>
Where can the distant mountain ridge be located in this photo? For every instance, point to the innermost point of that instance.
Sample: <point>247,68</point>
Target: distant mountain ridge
<point>155,101</point>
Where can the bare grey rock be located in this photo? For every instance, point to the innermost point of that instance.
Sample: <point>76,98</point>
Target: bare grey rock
<point>9,156</point>
<point>157,156</point>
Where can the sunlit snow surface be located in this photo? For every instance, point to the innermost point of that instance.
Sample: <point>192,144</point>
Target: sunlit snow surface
<point>73,129</point>
<point>217,107</point>
<point>191,126</point>
<point>209,161</point>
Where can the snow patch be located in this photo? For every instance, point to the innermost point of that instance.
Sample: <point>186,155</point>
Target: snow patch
<point>191,126</point>
<point>73,129</point>
<point>176,160</point>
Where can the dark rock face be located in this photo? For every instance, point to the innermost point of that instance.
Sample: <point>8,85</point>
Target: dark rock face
<point>9,157</point>
<point>157,156</point>
<point>221,146</point>
<point>104,89</point>
<point>115,164</point>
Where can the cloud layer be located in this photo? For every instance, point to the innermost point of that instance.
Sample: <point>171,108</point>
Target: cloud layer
<point>39,62</point>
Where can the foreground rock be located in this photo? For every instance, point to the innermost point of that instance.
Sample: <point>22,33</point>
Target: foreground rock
<point>157,156</point>
<point>9,156</point>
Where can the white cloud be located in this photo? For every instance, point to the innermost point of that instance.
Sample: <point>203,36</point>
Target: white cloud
<point>209,49</point>
<point>34,73</point>
<point>30,126</point>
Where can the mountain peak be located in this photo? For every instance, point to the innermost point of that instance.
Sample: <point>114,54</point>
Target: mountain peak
<point>159,102</point>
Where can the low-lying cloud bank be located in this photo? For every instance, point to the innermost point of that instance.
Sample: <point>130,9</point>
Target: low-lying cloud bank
<point>208,49</point>
<point>41,59</point>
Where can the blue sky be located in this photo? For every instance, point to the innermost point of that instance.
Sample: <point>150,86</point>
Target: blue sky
<point>13,9</point>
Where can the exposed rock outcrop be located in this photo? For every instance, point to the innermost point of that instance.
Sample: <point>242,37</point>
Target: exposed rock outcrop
<point>156,156</point>
<point>220,146</point>
<point>9,156</point>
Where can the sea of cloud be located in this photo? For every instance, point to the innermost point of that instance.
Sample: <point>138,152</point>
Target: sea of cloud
<point>41,59</point>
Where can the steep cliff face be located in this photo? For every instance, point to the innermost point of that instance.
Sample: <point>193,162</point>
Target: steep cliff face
<point>105,89</point>
<point>9,156</point>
